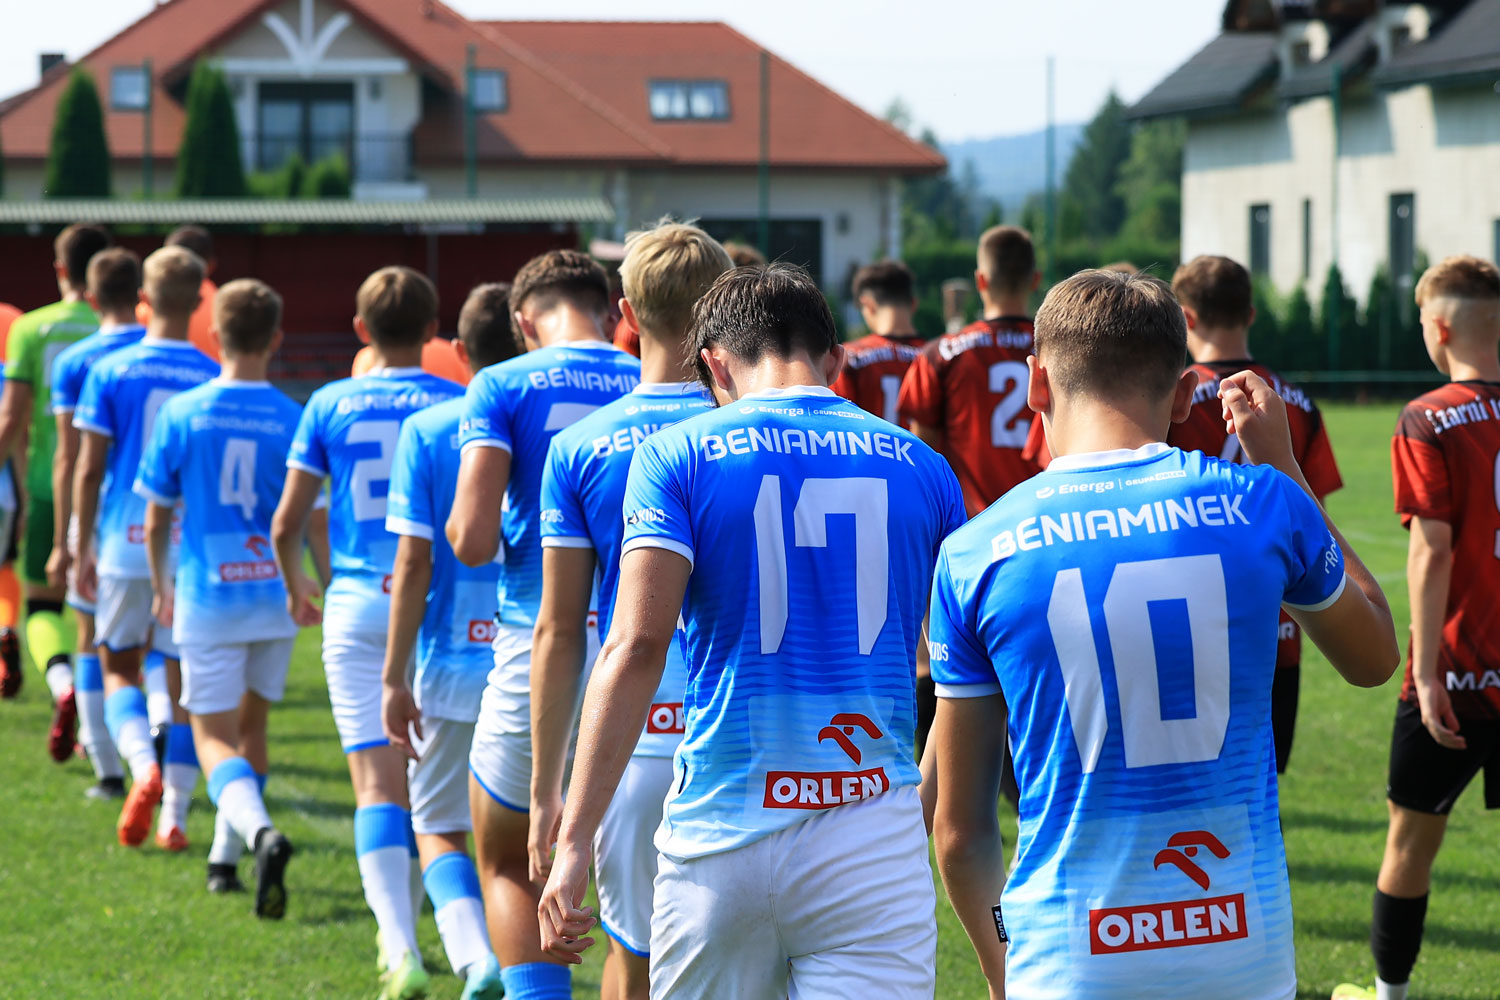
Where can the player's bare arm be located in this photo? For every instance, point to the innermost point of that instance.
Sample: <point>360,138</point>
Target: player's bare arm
<point>652,582</point>
<point>559,648</point>
<point>970,738</point>
<point>318,548</point>
<point>1356,632</point>
<point>158,546</point>
<point>473,527</point>
<point>288,534</point>
<point>64,461</point>
<point>15,415</point>
<point>88,477</point>
<point>409,583</point>
<point>1429,570</point>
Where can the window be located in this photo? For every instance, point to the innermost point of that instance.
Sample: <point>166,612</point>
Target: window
<point>702,100</point>
<point>1306,238</point>
<point>129,90</point>
<point>1403,239</point>
<point>311,120</point>
<point>490,91</point>
<point>1260,239</point>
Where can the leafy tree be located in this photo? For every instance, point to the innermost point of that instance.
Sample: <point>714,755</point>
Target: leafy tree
<point>328,178</point>
<point>1151,181</point>
<point>208,161</point>
<point>78,157</point>
<point>1336,297</point>
<point>1302,347</point>
<point>1093,176</point>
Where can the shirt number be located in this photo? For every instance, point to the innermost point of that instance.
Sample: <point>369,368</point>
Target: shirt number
<point>237,476</point>
<point>867,500</point>
<point>369,471</point>
<point>1009,379</point>
<point>890,392</point>
<point>1149,738</point>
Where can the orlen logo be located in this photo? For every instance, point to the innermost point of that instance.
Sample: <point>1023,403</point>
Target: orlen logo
<point>825,789</point>
<point>666,717</point>
<point>385,584</point>
<point>483,630</point>
<point>1149,926</point>
<point>251,570</point>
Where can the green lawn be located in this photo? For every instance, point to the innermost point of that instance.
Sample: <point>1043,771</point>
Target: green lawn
<point>82,917</point>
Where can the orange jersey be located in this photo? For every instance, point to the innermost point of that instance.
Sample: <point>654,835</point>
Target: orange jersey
<point>971,387</point>
<point>1445,464</point>
<point>439,357</point>
<point>626,338</point>
<point>873,369</point>
<point>198,325</point>
<point>8,315</point>
<point>1204,431</point>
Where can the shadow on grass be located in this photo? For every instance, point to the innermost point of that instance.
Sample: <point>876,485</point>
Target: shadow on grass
<point>1485,939</point>
<point>1331,823</point>
<point>1362,874</point>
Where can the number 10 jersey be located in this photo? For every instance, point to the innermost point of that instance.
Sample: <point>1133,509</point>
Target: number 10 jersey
<point>1125,604</point>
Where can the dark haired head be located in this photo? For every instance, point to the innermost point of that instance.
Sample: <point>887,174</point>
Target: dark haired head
<point>247,314</point>
<point>75,246</point>
<point>559,276</point>
<point>194,238</point>
<point>888,282</point>
<point>484,326</point>
<point>1110,335</point>
<point>1007,259</point>
<point>114,279</point>
<point>755,311</point>
<point>1217,289</point>
<point>397,305</point>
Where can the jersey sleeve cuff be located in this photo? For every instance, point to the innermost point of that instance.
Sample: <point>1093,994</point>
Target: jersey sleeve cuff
<point>484,443</point>
<point>966,690</point>
<point>569,542</point>
<point>307,467</point>
<point>92,428</point>
<point>658,542</point>
<point>161,500</point>
<point>1327,602</point>
<point>408,527</point>
<point>58,409</point>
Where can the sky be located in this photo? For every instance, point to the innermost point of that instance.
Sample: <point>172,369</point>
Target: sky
<point>952,66</point>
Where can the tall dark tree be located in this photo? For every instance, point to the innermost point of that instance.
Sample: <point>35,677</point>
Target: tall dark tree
<point>1151,181</point>
<point>208,161</point>
<point>328,178</point>
<point>78,158</point>
<point>1093,176</point>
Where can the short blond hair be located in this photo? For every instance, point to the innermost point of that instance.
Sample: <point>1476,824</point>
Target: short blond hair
<point>247,314</point>
<point>173,277</point>
<point>1459,277</point>
<point>397,304</point>
<point>1110,335</point>
<point>666,269</point>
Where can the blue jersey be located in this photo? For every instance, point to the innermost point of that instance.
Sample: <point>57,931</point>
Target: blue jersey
<point>348,433</point>
<point>1095,598</point>
<point>72,366</point>
<point>121,396</point>
<point>453,644</point>
<point>519,405</point>
<point>220,450</point>
<point>812,528</point>
<point>583,493</point>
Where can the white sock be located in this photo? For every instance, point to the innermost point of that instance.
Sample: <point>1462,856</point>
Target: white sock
<point>178,781</point>
<point>59,679</point>
<point>234,789</point>
<point>381,841</point>
<point>158,700</point>
<point>93,733</point>
<point>228,845</point>
<point>453,885</point>
<point>125,714</point>
<point>1390,991</point>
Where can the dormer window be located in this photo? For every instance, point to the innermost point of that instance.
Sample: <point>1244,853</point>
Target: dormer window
<point>129,90</point>
<point>688,100</point>
<point>1301,53</point>
<point>490,92</point>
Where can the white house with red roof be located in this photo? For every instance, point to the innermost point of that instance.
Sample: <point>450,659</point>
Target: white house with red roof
<point>656,118</point>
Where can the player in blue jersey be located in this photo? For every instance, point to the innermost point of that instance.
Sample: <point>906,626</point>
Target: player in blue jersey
<point>803,531</point>
<point>443,611</point>
<point>219,451</point>
<point>665,271</point>
<point>116,411</point>
<point>114,284</point>
<point>347,436</point>
<point>511,412</point>
<point>1117,618</point>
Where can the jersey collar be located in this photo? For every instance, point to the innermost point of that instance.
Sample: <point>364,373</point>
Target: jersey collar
<point>406,372</point>
<point>1100,459</point>
<point>587,345</point>
<point>793,390</point>
<point>668,389</point>
<point>240,383</point>
<point>120,329</point>
<point>171,345</point>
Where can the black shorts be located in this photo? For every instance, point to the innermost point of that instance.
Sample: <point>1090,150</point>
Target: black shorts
<point>1427,777</point>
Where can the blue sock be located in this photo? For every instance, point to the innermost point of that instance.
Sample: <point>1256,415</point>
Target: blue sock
<point>453,886</point>
<point>260,779</point>
<point>125,718</point>
<point>382,843</point>
<point>122,706</point>
<point>537,981</point>
<point>87,674</point>
<point>180,748</point>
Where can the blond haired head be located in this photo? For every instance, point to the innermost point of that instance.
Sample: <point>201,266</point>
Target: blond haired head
<point>172,279</point>
<point>1463,293</point>
<point>667,268</point>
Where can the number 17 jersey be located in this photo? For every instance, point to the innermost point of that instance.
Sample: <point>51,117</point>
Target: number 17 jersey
<point>1125,604</point>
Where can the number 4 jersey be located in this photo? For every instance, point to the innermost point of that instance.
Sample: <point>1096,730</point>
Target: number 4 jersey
<point>1125,604</point>
<point>812,528</point>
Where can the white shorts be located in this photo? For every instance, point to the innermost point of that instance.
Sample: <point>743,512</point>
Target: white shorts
<point>123,619</point>
<point>500,758</point>
<point>625,857</point>
<point>353,662</point>
<point>439,779</point>
<point>215,678</point>
<point>840,905</point>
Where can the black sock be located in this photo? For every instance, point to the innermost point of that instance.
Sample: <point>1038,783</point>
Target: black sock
<point>926,709</point>
<point>1396,935</point>
<point>66,659</point>
<point>37,604</point>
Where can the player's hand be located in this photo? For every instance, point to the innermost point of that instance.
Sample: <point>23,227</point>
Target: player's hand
<point>546,818</point>
<point>1257,415</point>
<point>398,714</point>
<point>1438,716</point>
<point>86,581</point>
<point>163,603</point>
<point>57,566</point>
<point>301,595</point>
<point>562,922</point>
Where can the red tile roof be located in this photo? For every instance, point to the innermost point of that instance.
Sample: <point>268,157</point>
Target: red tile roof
<point>577,90</point>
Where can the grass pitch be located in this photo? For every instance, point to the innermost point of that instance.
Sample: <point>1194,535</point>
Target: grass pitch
<point>82,917</point>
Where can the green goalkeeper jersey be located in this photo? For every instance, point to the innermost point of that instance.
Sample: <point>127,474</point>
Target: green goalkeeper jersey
<point>35,341</point>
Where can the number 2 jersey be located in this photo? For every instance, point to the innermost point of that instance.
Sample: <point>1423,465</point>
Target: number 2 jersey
<point>971,386</point>
<point>873,369</point>
<point>220,449</point>
<point>1445,463</point>
<point>812,528</point>
<point>348,433</point>
<point>1125,604</point>
<point>583,493</point>
<point>121,397</point>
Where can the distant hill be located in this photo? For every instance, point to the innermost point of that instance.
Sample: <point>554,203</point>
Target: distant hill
<point>1011,167</point>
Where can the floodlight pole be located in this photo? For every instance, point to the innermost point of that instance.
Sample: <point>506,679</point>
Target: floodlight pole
<point>1336,306</point>
<point>763,228</point>
<point>471,135</point>
<point>148,168</point>
<point>1051,193</point>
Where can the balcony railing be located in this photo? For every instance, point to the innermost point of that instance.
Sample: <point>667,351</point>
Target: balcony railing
<point>372,156</point>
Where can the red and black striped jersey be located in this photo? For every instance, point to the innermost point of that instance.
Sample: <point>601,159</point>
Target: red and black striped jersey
<point>873,369</point>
